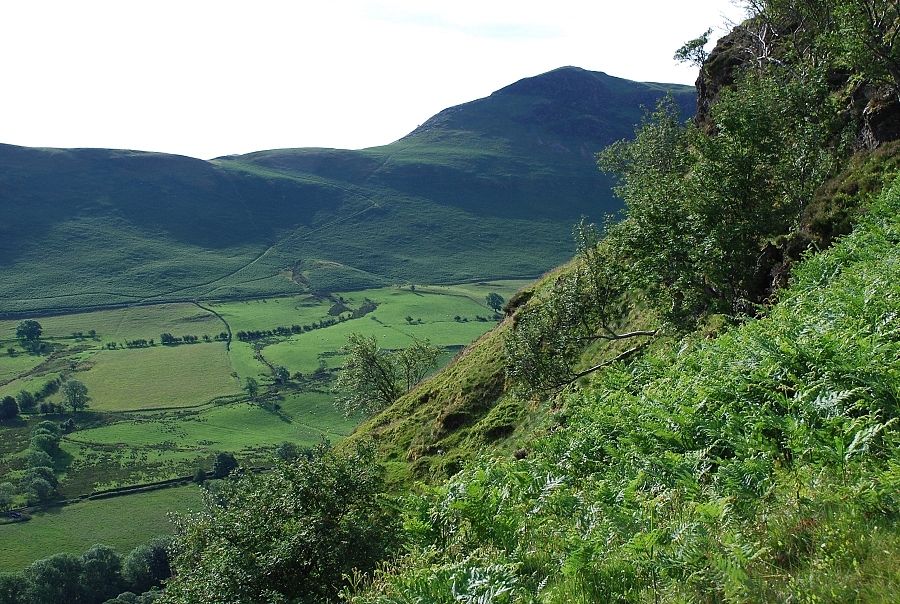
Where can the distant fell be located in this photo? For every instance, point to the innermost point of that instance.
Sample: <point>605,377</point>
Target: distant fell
<point>486,189</point>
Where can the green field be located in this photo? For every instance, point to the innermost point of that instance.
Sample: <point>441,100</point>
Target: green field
<point>121,522</point>
<point>160,412</point>
<point>161,376</point>
<point>118,325</point>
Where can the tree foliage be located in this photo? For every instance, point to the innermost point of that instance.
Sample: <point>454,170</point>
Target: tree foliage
<point>705,213</point>
<point>9,408</point>
<point>494,301</point>
<point>147,565</point>
<point>288,535</point>
<point>29,331</point>
<point>224,465</point>
<point>372,378</point>
<point>856,36</point>
<point>76,394</point>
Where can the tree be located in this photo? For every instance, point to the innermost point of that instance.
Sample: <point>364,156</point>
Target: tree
<point>101,574</point>
<point>40,490</point>
<point>26,401</point>
<point>147,565</point>
<point>44,473</point>
<point>36,458</point>
<point>9,408</point>
<point>56,579</point>
<point>288,451</point>
<point>76,395</point>
<point>223,466</point>
<point>29,331</point>
<point>7,494</point>
<point>372,378</point>
<point>292,534</point>
<point>282,375</point>
<point>414,362</point>
<point>251,386</point>
<point>495,301</point>
<point>13,588</point>
<point>694,51</point>
<point>47,443</point>
<point>200,476</point>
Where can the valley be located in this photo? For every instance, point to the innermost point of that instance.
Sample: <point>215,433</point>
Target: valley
<point>159,411</point>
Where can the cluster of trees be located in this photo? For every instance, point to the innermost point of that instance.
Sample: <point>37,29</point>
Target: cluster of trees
<point>494,301</point>
<point>80,335</point>
<point>99,575</point>
<point>707,217</point>
<point>140,343</point>
<point>74,392</point>
<point>372,378</point>
<point>167,339</point>
<point>39,482</point>
<point>340,307</point>
<point>285,331</point>
<point>338,317</point>
<point>29,401</point>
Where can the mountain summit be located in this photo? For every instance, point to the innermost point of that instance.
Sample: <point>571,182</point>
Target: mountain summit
<point>482,190</point>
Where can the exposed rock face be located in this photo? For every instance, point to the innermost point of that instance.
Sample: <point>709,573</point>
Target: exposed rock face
<point>880,121</point>
<point>876,110</point>
<point>719,71</point>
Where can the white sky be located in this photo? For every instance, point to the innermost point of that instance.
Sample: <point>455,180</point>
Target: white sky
<point>214,77</point>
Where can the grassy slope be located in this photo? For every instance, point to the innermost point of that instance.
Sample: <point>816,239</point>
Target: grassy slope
<point>758,465</point>
<point>460,410</point>
<point>484,190</point>
<point>414,435</point>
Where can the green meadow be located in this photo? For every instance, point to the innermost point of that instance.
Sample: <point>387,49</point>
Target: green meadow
<point>122,523</point>
<point>159,412</point>
<point>160,376</point>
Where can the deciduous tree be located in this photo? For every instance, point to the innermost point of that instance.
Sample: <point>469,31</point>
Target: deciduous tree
<point>76,395</point>
<point>372,378</point>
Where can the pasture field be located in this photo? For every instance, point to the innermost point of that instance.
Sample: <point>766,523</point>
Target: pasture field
<point>160,376</point>
<point>131,323</point>
<point>163,445</point>
<point>244,362</point>
<point>11,367</point>
<point>447,316</point>
<point>249,315</point>
<point>160,412</point>
<point>121,522</point>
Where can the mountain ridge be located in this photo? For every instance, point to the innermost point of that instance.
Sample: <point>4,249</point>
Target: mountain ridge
<point>490,191</point>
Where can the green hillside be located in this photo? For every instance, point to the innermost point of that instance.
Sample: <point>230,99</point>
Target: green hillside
<point>702,406</point>
<point>488,189</point>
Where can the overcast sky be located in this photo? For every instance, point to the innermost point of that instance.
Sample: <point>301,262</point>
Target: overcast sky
<point>213,77</point>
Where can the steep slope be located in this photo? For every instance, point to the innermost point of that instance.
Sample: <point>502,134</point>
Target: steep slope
<point>486,189</point>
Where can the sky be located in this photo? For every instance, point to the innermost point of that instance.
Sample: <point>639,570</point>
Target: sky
<point>207,78</point>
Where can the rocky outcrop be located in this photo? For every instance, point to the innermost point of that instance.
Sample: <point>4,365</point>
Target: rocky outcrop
<point>875,109</point>
<point>880,121</point>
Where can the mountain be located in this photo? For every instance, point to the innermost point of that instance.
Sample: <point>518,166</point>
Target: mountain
<point>487,189</point>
